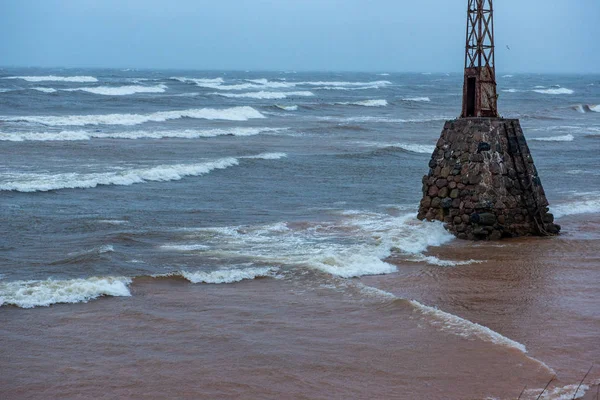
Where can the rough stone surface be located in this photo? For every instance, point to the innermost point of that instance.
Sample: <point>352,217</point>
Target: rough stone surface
<point>482,182</point>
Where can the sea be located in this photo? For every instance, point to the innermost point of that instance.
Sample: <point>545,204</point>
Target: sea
<point>252,234</point>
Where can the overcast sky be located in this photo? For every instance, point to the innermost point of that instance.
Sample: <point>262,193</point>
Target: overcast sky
<point>341,35</point>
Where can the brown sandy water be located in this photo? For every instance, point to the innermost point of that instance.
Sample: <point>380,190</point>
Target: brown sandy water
<point>308,335</point>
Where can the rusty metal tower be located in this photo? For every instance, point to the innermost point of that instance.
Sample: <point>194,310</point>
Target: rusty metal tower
<point>479,91</point>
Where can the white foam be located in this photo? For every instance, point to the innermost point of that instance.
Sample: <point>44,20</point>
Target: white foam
<point>579,108</point>
<point>267,95</point>
<point>508,76</point>
<point>511,90</point>
<point>287,108</point>
<point>29,294</point>
<point>54,78</point>
<point>558,393</point>
<point>565,138</point>
<point>554,91</point>
<point>418,99</point>
<point>385,119</point>
<point>267,156</point>
<point>26,182</point>
<point>412,147</point>
<point>45,90</point>
<point>228,275</point>
<point>162,173</point>
<point>345,84</point>
<point>459,326</point>
<point>184,247</point>
<point>113,221</point>
<point>385,74</point>
<point>595,108</point>
<point>121,90</point>
<point>366,103</point>
<point>357,244</point>
<point>179,134</point>
<point>230,114</point>
<point>589,205</point>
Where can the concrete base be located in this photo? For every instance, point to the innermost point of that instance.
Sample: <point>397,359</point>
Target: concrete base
<point>482,182</point>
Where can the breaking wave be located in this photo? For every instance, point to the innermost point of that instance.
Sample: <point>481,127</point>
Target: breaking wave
<point>583,108</point>
<point>356,245</point>
<point>417,99</point>
<point>287,108</point>
<point>366,103</point>
<point>179,134</point>
<point>162,173</point>
<point>120,90</point>
<point>231,114</point>
<point>29,294</point>
<point>262,84</point>
<point>565,138</point>
<point>589,205</point>
<point>266,95</point>
<point>54,78</point>
<point>411,147</point>
<point>228,275</point>
<point>554,91</point>
<point>45,90</point>
<point>461,327</point>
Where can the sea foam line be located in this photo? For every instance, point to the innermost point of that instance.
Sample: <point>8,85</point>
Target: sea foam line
<point>231,114</point>
<point>54,78</point>
<point>29,294</point>
<point>162,173</point>
<point>176,134</point>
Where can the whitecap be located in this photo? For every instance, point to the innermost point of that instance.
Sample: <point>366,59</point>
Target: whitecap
<point>267,156</point>
<point>53,78</point>
<point>29,294</point>
<point>588,204</point>
<point>417,99</point>
<point>412,147</point>
<point>565,138</point>
<point>266,95</point>
<point>120,90</point>
<point>511,90</point>
<point>228,275</point>
<point>231,114</point>
<point>366,103</point>
<point>554,91</point>
<point>595,108</point>
<point>287,108</point>
<point>179,134</point>
<point>45,90</point>
<point>184,247</point>
<point>508,76</point>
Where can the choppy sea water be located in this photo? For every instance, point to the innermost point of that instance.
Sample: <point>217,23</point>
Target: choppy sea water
<point>218,177</point>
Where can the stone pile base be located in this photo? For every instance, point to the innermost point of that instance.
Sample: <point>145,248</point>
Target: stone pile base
<point>482,182</point>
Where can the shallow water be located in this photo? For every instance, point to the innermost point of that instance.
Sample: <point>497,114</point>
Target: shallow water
<point>207,217</point>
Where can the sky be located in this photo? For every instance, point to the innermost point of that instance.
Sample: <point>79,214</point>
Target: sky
<point>556,36</point>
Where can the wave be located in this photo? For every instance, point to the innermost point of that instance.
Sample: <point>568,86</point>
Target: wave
<point>267,156</point>
<point>365,103</point>
<point>583,108</point>
<point>461,327</point>
<point>45,90</point>
<point>266,84</point>
<point>201,80</point>
<point>54,78</point>
<point>411,147</point>
<point>120,90</point>
<point>228,275</point>
<point>385,119</point>
<point>161,173</point>
<point>344,84</point>
<point>368,240</point>
<point>565,138</point>
<point>177,134</point>
<point>231,114</point>
<point>347,88</point>
<point>287,108</point>
<point>569,392</point>
<point>417,99</point>
<point>508,76</point>
<point>591,205</point>
<point>29,294</point>
<point>266,95</point>
<point>511,90</point>
<point>554,91</point>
